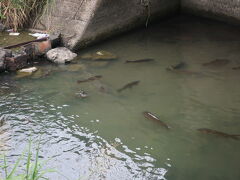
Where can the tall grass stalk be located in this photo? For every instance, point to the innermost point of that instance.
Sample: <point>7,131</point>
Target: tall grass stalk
<point>34,169</point>
<point>17,13</point>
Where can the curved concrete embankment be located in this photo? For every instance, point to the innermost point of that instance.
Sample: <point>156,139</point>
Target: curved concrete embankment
<point>83,22</point>
<point>224,10</point>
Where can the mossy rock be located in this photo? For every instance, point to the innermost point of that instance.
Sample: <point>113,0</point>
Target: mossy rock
<point>40,74</point>
<point>100,56</point>
<point>37,74</point>
<point>75,67</point>
<point>99,63</point>
<point>26,72</point>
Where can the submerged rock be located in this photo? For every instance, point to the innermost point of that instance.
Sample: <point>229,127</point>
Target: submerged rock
<point>100,56</point>
<point>99,63</point>
<point>104,55</point>
<point>86,56</point>
<point>38,74</point>
<point>26,72</point>
<point>42,73</point>
<point>60,55</point>
<point>75,67</point>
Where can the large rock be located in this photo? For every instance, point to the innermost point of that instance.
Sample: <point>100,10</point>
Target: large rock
<point>19,61</point>
<point>60,55</point>
<point>37,48</point>
<point>83,22</point>
<point>26,72</point>
<point>2,27</point>
<point>3,54</point>
<point>2,59</point>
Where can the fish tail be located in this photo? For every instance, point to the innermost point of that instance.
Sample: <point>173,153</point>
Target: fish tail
<point>235,137</point>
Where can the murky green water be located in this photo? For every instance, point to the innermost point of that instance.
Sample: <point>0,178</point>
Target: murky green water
<point>6,39</point>
<point>105,136</point>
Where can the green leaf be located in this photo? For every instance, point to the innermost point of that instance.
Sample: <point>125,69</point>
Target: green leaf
<point>28,159</point>
<point>16,165</point>
<point>20,177</point>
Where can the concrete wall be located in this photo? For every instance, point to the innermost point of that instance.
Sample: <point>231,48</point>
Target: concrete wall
<point>224,10</point>
<point>83,22</point>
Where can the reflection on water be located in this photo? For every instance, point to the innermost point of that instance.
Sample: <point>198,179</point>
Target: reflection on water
<point>105,135</point>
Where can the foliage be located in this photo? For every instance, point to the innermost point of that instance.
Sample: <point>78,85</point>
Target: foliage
<point>33,171</point>
<point>17,13</point>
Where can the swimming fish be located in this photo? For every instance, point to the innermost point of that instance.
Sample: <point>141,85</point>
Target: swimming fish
<point>176,66</point>
<point>236,68</point>
<point>219,133</point>
<point>139,61</point>
<point>217,63</point>
<point>90,79</point>
<point>153,117</point>
<point>187,72</point>
<point>129,85</point>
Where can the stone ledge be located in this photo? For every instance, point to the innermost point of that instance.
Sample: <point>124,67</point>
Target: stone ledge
<point>228,11</point>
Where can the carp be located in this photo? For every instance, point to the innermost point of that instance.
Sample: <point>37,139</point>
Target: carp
<point>139,60</point>
<point>217,63</point>
<point>219,133</point>
<point>129,85</point>
<point>90,79</point>
<point>153,117</point>
<point>176,66</point>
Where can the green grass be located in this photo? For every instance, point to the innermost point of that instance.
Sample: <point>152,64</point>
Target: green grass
<point>18,13</point>
<point>34,169</point>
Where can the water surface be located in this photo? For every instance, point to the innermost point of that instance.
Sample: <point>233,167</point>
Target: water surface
<point>105,136</point>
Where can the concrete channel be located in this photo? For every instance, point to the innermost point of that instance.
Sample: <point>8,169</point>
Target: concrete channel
<point>83,22</point>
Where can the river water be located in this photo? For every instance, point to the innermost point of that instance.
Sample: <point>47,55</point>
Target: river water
<point>106,136</point>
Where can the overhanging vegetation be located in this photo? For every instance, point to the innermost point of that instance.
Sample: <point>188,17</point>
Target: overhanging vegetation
<point>17,13</point>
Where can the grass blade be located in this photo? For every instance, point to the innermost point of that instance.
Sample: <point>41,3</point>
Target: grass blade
<point>15,166</point>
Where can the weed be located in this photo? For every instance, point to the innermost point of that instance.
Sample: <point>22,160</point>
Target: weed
<point>17,13</point>
<point>34,169</point>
